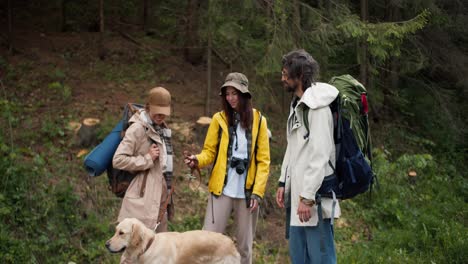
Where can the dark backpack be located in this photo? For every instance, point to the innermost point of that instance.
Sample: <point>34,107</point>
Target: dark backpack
<point>352,172</point>
<point>100,158</point>
<point>119,180</point>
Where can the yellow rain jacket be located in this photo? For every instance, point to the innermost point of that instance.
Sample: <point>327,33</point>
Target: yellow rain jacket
<point>259,164</point>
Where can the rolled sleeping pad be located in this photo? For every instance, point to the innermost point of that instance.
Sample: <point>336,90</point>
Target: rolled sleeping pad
<point>99,159</point>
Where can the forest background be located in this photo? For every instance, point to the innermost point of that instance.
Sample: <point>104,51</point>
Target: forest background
<point>62,61</point>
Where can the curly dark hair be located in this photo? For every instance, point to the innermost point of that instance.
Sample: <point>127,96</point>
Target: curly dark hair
<point>300,65</point>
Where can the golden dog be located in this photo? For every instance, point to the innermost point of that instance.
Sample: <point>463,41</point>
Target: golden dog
<point>141,245</point>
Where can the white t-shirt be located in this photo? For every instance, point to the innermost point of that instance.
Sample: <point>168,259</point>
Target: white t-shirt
<point>235,183</point>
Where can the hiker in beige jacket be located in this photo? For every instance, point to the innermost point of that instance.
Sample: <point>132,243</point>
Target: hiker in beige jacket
<point>146,150</point>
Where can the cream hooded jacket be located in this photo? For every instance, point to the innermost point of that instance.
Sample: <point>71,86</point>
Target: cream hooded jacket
<point>133,155</point>
<point>305,163</point>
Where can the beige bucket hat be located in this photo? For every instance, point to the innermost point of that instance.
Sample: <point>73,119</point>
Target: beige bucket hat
<point>237,80</point>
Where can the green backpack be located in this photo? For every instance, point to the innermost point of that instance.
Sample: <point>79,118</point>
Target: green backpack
<point>354,107</point>
<point>352,171</point>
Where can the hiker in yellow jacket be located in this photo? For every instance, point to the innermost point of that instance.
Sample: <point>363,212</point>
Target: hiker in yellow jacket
<point>237,144</point>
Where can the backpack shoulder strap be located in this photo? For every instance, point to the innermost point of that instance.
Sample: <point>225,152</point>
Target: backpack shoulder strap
<point>259,125</point>
<point>305,119</point>
<point>256,143</point>
<point>220,130</point>
<point>258,132</point>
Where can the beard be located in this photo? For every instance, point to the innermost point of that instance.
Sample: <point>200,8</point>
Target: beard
<point>290,87</point>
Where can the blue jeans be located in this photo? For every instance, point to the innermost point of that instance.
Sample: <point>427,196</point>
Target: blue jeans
<point>304,244</point>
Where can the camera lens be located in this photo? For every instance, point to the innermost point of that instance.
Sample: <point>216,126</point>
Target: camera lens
<point>240,169</point>
<point>239,164</point>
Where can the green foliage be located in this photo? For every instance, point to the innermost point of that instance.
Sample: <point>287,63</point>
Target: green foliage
<point>13,250</point>
<point>82,16</point>
<point>64,90</point>
<point>167,20</point>
<point>436,114</point>
<point>52,129</point>
<point>403,222</point>
<point>265,253</point>
<point>42,222</point>
<point>58,74</point>
<point>142,68</point>
<point>128,9</point>
<point>58,87</point>
<point>384,39</point>
<point>237,30</point>
<point>188,223</point>
<point>8,108</point>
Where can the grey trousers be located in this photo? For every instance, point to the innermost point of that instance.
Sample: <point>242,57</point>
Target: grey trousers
<point>217,215</point>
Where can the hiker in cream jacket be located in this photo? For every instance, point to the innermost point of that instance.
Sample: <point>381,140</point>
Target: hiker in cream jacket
<point>306,162</point>
<point>132,155</point>
<point>146,149</point>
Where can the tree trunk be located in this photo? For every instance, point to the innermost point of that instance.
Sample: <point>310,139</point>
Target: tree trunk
<point>208,88</point>
<point>364,60</point>
<point>145,16</point>
<point>297,24</point>
<point>395,62</point>
<point>63,15</point>
<point>193,53</point>
<point>268,6</point>
<point>101,49</point>
<point>10,28</point>
<point>391,77</point>
<point>394,73</point>
<point>101,16</point>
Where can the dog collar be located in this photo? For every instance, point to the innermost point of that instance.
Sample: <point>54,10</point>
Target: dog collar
<point>147,246</point>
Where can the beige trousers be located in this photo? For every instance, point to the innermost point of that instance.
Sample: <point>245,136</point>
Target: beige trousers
<point>219,210</point>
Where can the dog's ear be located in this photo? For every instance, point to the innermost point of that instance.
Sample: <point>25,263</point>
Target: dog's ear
<point>137,237</point>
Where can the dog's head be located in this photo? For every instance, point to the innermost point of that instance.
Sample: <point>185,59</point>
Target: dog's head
<point>128,234</point>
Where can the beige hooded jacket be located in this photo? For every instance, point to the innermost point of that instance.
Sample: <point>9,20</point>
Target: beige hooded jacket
<point>132,155</point>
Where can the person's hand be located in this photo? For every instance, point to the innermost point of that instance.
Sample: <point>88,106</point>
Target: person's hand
<point>253,205</point>
<point>190,160</point>
<point>303,211</point>
<point>154,152</point>
<point>280,197</point>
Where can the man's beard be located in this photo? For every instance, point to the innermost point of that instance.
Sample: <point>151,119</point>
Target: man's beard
<point>290,88</point>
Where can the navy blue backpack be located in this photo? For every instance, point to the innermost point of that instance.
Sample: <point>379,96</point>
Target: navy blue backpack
<point>352,171</point>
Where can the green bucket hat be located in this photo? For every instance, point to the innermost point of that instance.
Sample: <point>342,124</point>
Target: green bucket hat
<point>238,81</point>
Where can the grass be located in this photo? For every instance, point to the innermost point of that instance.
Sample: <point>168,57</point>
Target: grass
<point>408,223</point>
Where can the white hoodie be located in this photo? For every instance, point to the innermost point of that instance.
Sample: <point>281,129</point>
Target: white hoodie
<point>305,163</point>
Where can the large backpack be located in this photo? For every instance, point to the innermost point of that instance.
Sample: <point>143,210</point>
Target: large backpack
<point>352,171</point>
<point>100,158</point>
